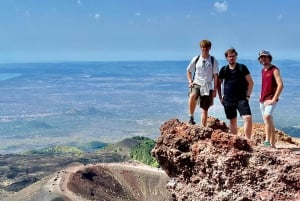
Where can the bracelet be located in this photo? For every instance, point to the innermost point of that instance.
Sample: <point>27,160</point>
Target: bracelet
<point>248,96</point>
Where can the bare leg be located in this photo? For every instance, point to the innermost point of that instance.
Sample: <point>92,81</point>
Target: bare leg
<point>192,103</point>
<point>269,127</point>
<point>247,126</point>
<point>233,125</point>
<point>204,115</point>
<point>273,137</point>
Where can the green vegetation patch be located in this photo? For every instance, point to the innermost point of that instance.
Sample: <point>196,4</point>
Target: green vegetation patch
<point>142,151</point>
<point>63,150</point>
<point>89,146</point>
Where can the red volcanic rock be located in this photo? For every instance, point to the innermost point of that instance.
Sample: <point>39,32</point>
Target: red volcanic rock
<point>258,135</point>
<point>207,163</point>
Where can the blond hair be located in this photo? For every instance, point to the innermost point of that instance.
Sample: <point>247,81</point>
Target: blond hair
<point>205,43</point>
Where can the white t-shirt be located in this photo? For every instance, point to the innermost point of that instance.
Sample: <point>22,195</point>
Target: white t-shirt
<point>203,70</point>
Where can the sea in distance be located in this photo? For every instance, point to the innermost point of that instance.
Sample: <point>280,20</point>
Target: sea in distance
<point>46,104</point>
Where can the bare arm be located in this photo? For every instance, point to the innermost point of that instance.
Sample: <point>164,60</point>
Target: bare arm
<point>279,85</point>
<point>190,79</point>
<point>219,88</point>
<point>250,85</point>
<point>189,76</point>
<point>216,84</point>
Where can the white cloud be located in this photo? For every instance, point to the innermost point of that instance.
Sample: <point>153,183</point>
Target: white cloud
<point>97,16</point>
<point>138,14</point>
<point>221,7</point>
<point>79,2</point>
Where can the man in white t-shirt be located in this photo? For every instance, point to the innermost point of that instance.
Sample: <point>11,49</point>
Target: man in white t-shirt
<point>202,75</point>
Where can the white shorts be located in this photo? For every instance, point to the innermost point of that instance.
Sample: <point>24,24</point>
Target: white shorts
<point>267,110</point>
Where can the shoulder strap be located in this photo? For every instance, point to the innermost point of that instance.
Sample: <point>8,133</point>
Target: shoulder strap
<point>195,62</point>
<point>212,66</point>
<point>240,67</point>
<point>226,72</point>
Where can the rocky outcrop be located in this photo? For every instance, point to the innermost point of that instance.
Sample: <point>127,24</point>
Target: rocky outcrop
<point>208,163</point>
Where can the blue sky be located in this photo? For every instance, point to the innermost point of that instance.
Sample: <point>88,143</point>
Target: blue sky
<point>100,30</point>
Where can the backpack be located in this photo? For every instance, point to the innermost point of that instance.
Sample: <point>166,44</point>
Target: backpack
<point>212,63</point>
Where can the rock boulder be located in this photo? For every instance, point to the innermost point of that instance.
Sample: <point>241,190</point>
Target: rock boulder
<point>208,163</point>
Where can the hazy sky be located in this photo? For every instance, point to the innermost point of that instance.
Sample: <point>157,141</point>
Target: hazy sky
<point>70,30</point>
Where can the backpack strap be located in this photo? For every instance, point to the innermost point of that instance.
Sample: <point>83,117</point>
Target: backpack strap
<point>195,62</point>
<point>212,58</point>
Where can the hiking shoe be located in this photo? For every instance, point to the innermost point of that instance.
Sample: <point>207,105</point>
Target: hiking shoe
<point>267,144</point>
<point>191,121</point>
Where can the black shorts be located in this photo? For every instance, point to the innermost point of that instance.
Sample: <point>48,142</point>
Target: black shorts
<point>231,108</point>
<point>203,101</point>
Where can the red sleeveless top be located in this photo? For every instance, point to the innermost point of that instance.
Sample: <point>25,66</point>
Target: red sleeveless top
<point>269,84</point>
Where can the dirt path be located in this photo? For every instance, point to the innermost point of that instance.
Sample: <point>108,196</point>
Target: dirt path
<point>61,183</point>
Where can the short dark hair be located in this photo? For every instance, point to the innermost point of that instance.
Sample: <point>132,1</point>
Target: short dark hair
<point>230,50</point>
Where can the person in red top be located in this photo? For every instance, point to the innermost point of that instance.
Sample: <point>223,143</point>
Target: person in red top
<point>271,89</point>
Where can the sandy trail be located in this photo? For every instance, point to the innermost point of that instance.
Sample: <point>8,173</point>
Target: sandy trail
<point>58,184</point>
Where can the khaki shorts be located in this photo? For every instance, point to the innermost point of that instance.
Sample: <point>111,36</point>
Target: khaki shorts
<point>203,101</point>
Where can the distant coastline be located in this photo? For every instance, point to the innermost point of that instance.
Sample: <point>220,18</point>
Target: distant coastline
<point>58,103</point>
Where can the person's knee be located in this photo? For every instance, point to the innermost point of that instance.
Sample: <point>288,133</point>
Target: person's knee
<point>193,97</point>
<point>247,118</point>
<point>204,110</point>
<point>267,117</point>
<point>233,120</point>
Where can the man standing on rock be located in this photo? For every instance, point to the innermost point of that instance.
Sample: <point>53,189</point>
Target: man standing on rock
<point>235,88</point>
<point>271,89</point>
<point>201,72</point>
